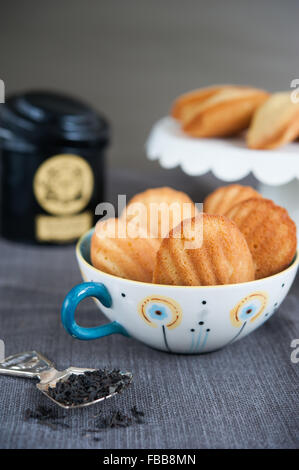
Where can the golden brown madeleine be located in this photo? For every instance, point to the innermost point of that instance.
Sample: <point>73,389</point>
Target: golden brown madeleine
<point>192,98</point>
<point>226,112</point>
<point>222,258</point>
<point>275,123</point>
<point>164,208</point>
<point>223,198</point>
<point>270,234</point>
<point>122,250</point>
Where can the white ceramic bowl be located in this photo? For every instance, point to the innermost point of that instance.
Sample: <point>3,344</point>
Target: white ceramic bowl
<point>188,320</point>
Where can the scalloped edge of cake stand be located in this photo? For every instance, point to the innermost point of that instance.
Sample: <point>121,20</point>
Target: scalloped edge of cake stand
<point>229,159</point>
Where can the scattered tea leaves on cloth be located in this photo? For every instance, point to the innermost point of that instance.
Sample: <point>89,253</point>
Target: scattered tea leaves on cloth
<point>46,416</point>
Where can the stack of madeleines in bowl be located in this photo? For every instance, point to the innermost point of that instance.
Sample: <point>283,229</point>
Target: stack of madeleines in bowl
<point>162,237</point>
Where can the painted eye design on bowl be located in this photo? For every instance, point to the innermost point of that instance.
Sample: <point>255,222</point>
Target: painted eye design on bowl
<point>249,309</point>
<point>160,310</point>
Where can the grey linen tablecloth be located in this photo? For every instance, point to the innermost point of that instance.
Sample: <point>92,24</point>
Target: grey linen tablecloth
<point>244,396</point>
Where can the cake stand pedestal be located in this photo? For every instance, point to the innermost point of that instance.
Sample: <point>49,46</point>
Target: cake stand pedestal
<point>230,160</point>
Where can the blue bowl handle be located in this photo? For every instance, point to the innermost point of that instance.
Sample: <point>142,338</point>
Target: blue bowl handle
<point>78,293</point>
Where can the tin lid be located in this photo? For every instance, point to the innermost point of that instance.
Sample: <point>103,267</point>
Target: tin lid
<point>46,118</point>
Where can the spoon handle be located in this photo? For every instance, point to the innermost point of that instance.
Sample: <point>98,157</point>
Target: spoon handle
<point>27,364</point>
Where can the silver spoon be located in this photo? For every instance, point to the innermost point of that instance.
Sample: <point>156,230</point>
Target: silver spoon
<point>33,364</point>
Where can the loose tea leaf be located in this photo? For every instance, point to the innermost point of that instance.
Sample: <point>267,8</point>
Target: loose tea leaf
<point>137,415</point>
<point>136,412</point>
<point>87,387</point>
<point>117,419</point>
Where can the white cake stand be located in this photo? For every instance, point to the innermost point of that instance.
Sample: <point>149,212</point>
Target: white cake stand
<point>230,160</point>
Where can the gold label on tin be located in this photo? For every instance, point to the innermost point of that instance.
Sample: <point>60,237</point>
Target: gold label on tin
<point>63,184</point>
<point>61,229</point>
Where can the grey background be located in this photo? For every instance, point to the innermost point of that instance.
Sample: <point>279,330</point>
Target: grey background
<point>131,58</point>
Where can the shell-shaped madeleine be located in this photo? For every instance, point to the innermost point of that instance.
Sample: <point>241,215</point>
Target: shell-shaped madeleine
<point>225,197</point>
<point>122,249</point>
<point>206,250</point>
<point>194,97</point>
<point>158,210</point>
<point>219,111</point>
<point>275,123</point>
<point>270,234</point>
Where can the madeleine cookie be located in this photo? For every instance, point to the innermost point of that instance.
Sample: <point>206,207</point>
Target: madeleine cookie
<point>219,112</point>
<point>275,123</point>
<point>192,98</point>
<point>122,250</point>
<point>158,210</point>
<point>223,257</point>
<point>270,234</point>
<point>223,198</point>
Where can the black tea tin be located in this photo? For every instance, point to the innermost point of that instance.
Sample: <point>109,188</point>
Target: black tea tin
<point>52,153</point>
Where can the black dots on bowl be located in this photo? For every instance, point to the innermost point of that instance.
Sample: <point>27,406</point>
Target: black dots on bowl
<point>123,295</point>
<point>204,302</point>
<point>201,323</point>
<point>192,330</point>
